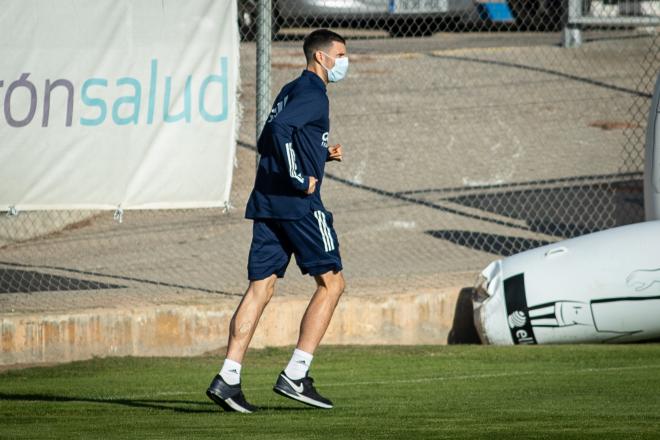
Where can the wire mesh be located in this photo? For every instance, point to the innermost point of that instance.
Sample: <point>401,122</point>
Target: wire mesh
<point>469,133</point>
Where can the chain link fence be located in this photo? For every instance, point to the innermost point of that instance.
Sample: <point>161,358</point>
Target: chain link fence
<point>469,133</point>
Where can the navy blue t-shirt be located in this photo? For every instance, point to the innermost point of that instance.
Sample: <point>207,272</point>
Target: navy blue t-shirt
<point>293,146</point>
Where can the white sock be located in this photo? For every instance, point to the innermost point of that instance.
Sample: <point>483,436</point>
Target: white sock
<point>231,372</point>
<point>298,365</point>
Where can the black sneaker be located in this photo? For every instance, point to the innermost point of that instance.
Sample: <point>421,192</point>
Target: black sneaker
<point>229,397</point>
<point>301,390</point>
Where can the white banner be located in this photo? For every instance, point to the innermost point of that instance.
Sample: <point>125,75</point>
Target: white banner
<point>111,103</point>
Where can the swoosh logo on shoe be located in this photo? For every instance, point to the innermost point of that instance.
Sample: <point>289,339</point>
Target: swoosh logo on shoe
<point>296,388</point>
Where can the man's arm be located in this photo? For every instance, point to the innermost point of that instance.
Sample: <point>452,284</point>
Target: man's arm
<point>297,112</point>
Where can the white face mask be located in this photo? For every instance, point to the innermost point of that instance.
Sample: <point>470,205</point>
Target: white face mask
<point>340,69</point>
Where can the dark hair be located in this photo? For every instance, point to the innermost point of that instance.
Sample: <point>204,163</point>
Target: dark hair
<point>320,39</point>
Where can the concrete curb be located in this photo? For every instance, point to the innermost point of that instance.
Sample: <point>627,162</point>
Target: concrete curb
<point>189,330</point>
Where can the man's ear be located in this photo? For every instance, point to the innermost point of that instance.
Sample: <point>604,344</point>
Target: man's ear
<point>318,56</point>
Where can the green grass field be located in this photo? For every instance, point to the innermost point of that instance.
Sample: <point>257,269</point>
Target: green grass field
<point>562,392</point>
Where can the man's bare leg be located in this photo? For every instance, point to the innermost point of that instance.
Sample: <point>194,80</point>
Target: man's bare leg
<point>247,315</point>
<point>294,382</point>
<point>225,389</point>
<point>315,322</point>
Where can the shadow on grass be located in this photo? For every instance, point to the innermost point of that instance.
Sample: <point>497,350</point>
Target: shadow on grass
<point>179,406</point>
<point>176,405</point>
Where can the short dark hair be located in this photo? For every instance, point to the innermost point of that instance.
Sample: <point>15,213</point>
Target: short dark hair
<point>320,39</point>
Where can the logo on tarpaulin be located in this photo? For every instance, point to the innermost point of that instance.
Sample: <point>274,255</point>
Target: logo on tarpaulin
<point>517,319</point>
<point>515,298</point>
<point>127,100</point>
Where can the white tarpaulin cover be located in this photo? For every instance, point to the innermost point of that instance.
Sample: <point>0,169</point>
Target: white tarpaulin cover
<point>111,103</point>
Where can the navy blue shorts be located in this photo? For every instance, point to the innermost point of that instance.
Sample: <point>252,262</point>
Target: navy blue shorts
<point>312,239</point>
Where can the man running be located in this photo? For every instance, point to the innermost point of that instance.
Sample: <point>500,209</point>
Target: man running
<point>289,218</point>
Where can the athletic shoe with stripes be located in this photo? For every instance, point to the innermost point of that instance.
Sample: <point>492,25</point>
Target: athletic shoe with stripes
<point>229,397</point>
<point>301,390</point>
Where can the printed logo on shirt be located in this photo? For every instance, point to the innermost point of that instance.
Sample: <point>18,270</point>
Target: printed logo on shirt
<point>324,140</point>
<point>277,108</point>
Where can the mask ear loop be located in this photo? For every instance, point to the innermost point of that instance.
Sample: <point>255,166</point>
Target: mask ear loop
<point>328,55</point>
<point>323,65</point>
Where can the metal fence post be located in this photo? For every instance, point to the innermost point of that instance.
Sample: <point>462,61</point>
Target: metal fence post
<point>264,35</point>
<point>572,36</point>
